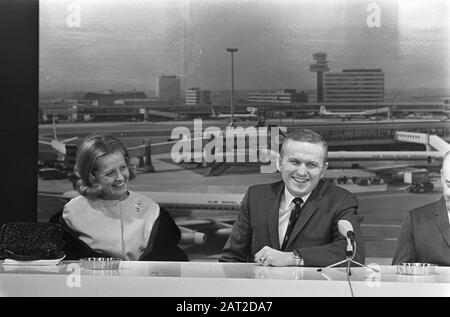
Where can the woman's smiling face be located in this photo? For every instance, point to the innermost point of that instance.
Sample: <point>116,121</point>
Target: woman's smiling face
<point>113,174</point>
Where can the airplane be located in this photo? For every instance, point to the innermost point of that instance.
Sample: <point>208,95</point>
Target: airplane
<point>348,115</point>
<point>368,160</point>
<point>252,114</point>
<point>233,156</point>
<point>198,215</point>
<point>383,160</point>
<point>380,162</point>
<point>58,146</point>
<point>254,157</point>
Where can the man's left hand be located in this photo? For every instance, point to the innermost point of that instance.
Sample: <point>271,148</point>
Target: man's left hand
<point>271,257</point>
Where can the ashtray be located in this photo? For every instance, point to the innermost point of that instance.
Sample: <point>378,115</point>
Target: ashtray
<point>100,263</point>
<point>416,268</point>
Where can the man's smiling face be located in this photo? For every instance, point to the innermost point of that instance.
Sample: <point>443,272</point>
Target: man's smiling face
<point>302,166</point>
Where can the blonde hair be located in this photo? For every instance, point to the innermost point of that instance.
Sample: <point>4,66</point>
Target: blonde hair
<point>91,149</point>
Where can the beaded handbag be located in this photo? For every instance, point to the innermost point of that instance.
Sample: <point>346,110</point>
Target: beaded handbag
<point>28,241</point>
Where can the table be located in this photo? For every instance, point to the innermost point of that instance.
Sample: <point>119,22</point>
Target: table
<point>211,279</point>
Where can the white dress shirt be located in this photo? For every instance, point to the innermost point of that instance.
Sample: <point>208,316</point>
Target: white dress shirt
<point>448,214</point>
<point>286,206</point>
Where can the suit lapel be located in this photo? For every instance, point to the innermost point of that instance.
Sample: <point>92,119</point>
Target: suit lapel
<point>273,214</point>
<point>441,220</point>
<point>307,211</point>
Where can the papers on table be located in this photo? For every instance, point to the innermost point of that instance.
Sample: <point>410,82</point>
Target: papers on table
<point>51,262</point>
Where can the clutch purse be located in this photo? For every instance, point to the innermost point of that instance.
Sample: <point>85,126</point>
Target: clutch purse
<point>29,241</point>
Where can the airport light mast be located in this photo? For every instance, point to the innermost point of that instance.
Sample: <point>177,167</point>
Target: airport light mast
<point>319,67</point>
<point>232,51</point>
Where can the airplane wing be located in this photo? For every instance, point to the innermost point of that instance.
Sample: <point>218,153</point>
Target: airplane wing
<point>45,142</point>
<point>211,224</point>
<point>69,139</point>
<point>389,167</point>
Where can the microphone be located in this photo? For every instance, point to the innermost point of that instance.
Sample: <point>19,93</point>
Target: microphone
<point>346,229</point>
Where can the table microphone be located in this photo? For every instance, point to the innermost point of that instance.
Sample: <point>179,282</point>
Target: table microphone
<point>346,229</point>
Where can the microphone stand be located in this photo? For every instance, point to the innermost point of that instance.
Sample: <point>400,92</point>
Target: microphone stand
<point>349,255</point>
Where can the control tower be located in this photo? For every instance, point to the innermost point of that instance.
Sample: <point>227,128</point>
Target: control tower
<point>319,67</point>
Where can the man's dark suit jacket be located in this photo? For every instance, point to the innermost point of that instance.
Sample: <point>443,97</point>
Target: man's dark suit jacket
<point>425,236</point>
<point>315,233</point>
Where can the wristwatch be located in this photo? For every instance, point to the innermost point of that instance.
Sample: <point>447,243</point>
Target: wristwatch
<point>298,260</point>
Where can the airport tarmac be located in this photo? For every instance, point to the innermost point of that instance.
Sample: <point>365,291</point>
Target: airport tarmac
<point>382,206</point>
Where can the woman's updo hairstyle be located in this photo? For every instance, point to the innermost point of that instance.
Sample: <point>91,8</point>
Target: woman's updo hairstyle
<point>91,149</point>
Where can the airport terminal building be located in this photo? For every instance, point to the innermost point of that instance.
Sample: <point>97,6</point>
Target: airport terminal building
<point>354,85</point>
<point>169,88</point>
<point>283,96</point>
<point>195,97</point>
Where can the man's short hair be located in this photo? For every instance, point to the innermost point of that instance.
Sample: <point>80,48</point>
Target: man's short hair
<point>306,135</point>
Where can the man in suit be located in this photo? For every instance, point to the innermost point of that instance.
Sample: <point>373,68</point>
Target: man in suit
<point>425,233</point>
<point>267,231</point>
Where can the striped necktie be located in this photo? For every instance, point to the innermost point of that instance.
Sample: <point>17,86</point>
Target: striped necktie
<point>292,219</point>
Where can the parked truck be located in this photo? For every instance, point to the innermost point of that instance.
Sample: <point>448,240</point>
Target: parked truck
<point>419,180</point>
<point>417,176</point>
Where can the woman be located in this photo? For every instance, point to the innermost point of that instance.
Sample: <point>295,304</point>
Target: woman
<point>108,220</point>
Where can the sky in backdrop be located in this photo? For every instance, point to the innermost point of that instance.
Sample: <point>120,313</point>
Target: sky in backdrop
<point>127,44</point>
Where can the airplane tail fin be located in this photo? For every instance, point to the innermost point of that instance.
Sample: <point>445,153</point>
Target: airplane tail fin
<point>261,121</point>
<point>323,110</point>
<point>214,112</point>
<point>54,128</point>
